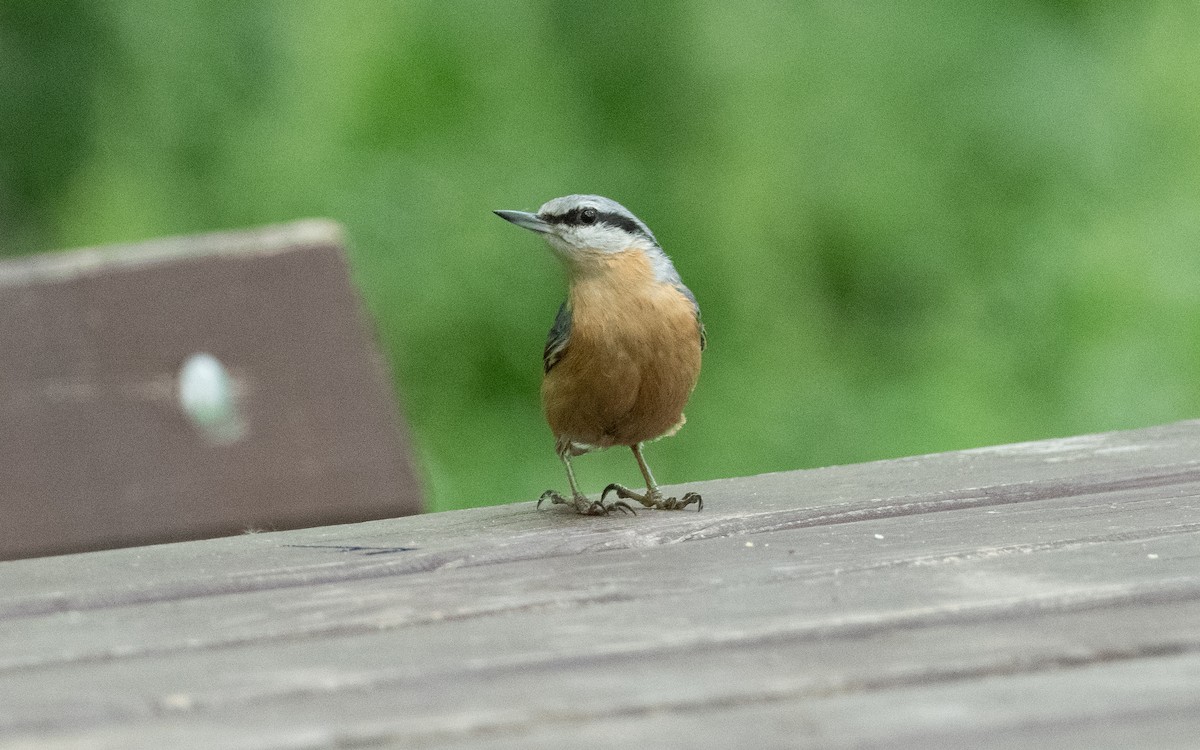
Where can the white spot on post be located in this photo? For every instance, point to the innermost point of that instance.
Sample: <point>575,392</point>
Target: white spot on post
<point>206,395</point>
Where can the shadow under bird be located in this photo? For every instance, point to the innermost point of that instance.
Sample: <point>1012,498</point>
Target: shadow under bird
<point>623,354</point>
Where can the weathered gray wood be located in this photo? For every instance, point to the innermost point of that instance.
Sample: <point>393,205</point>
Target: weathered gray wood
<point>1038,594</point>
<point>1070,708</point>
<point>845,554</point>
<point>97,449</point>
<point>991,477</point>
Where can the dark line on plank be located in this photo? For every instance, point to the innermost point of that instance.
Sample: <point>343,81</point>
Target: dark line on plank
<point>355,548</point>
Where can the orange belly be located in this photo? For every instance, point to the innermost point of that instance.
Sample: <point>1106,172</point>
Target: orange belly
<point>629,367</point>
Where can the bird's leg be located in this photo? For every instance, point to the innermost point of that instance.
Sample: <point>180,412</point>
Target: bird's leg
<point>652,497</point>
<point>578,500</point>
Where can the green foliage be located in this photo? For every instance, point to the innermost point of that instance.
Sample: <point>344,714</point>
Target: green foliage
<point>912,226</point>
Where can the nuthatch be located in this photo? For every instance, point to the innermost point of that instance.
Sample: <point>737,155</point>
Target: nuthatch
<point>623,354</point>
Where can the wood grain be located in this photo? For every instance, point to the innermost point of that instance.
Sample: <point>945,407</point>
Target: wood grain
<point>1039,594</point>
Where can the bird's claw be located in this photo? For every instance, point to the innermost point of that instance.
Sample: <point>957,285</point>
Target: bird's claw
<point>671,503</point>
<point>584,506</point>
<point>654,498</point>
<point>552,496</point>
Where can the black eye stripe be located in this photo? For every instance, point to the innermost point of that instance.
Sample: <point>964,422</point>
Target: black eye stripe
<point>620,221</point>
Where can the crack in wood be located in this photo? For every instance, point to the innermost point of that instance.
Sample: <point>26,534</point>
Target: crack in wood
<point>354,548</point>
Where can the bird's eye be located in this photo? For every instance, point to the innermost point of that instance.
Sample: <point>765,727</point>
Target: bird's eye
<point>587,216</point>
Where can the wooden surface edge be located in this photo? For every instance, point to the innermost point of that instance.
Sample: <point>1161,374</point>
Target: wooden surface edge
<point>1094,464</point>
<point>265,240</point>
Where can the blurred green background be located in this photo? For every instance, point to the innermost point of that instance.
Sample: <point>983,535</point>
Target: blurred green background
<point>912,226</point>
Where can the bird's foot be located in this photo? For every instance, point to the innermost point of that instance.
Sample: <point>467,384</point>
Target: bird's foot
<point>584,506</point>
<point>653,498</point>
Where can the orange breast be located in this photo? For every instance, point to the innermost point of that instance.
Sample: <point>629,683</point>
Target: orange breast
<point>632,360</point>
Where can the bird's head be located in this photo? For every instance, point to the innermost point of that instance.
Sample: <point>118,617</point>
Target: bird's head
<point>581,226</point>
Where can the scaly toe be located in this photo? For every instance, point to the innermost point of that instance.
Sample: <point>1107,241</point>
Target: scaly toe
<point>625,493</point>
<point>622,491</point>
<point>553,496</point>
<point>654,498</point>
<point>584,506</point>
<point>601,508</point>
<point>671,503</point>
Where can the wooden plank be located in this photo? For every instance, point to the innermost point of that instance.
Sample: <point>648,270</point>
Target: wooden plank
<point>1106,703</point>
<point>964,599</point>
<point>944,598</point>
<point>312,696</point>
<point>98,451</point>
<point>618,622</point>
<point>1091,707</point>
<point>990,477</point>
<point>834,557</point>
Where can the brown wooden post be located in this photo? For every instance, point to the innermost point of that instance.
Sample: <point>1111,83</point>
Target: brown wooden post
<point>96,450</point>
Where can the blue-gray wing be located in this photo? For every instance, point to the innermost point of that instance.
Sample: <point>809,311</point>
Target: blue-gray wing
<point>695,306</point>
<point>556,340</point>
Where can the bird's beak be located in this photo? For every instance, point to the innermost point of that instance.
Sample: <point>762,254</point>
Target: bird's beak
<point>526,220</point>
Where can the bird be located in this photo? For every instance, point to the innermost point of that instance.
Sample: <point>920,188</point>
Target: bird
<point>624,352</point>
